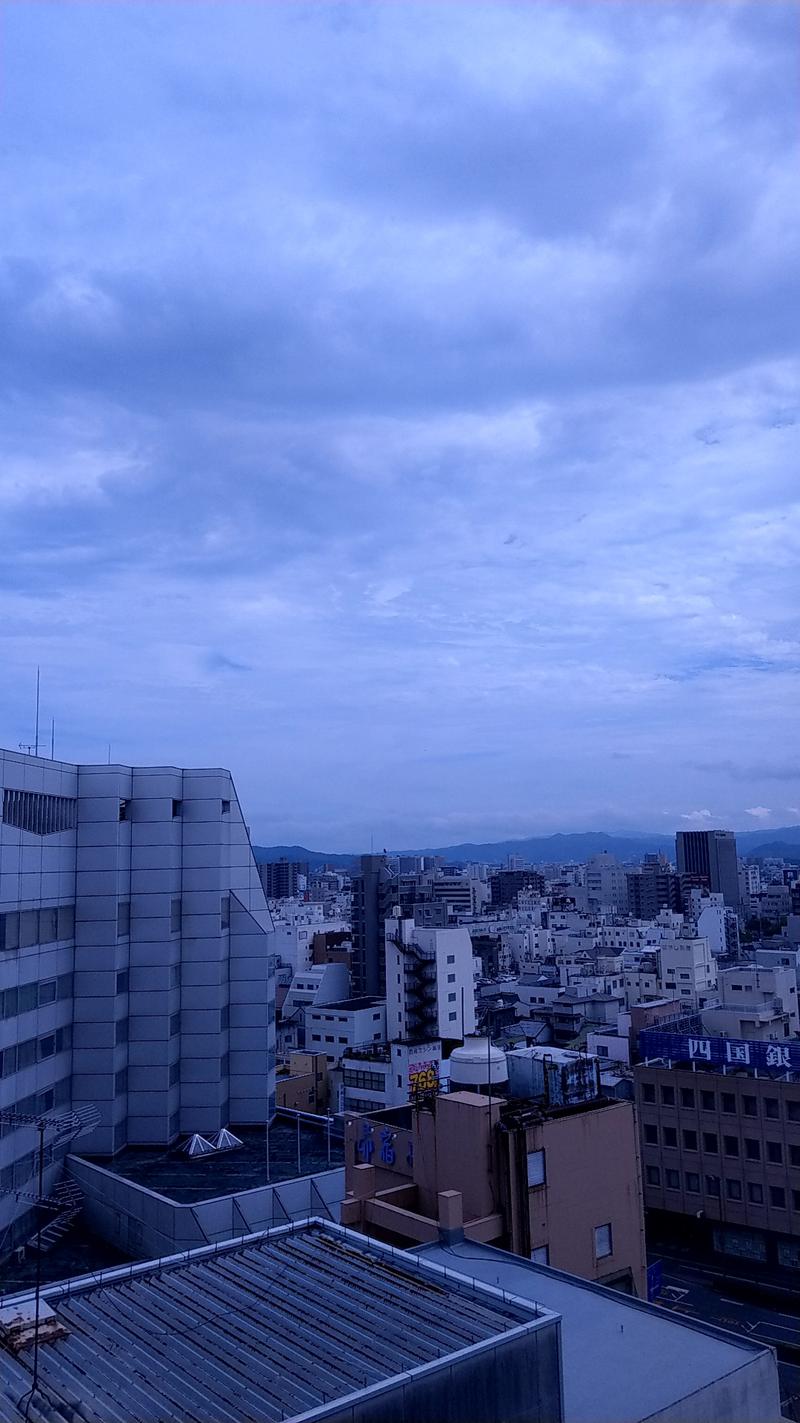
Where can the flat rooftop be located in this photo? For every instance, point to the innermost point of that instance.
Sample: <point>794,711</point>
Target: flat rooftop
<point>188,1180</point>
<point>280,1325</point>
<point>347,1004</point>
<point>623,1360</point>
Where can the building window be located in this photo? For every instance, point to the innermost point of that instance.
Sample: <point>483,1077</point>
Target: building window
<point>710,1142</point>
<point>712,1185</point>
<point>123,918</point>
<point>794,1155</point>
<point>771,1109</point>
<point>796,1200</point>
<point>226,807</point>
<point>728,1103</point>
<point>755,1193</point>
<point>123,809</point>
<point>670,1136</point>
<point>775,1153</point>
<point>122,981</point>
<point>451,1017</point>
<point>708,1101</point>
<point>730,1145</point>
<point>750,1106</point>
<point>690,1140</point>
<point>451,997</point>
<point>451,958</point>
<point>692,1181</point>
<point>687,1096</point>
<point>777,1197</point>
<point>174,1025</point>
<point>536,1170</point>
<point>650,1135</point>
<point>602,1241</point>
<point>451,978</point>
<point>653,1175</point>
<point>752,1149</point>
<point>121,1031</point>
<point>175,916</point>
<point>225,912</point>
<point>648,1092</point>
<point>121,1081</point>
<point>733,1190</point>
<point>668,1096</point>
<point>177,808</point>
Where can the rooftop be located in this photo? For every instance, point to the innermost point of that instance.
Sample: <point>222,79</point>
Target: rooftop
<point>622,1360</point>
<point>181,1178</point>
<point>279,1325</point>
<point>348,1004</point>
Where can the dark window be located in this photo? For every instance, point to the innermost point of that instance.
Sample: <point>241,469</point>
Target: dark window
<point>648,1092</point>
<point>651,1135</point>
<point>653,1175</point>
<point>794,1155</point>
<point>733,1190</point>
<point>48,926</point>
<point>668,1096</point>
<point>226,807</point>
<point>712,1185</point>
<point>752,1148</point>
<point>225,912</point>
<point>728,1102</point>
<point>777,1197</point>
<point>122,981</point>
<point>123,809</point>
<point>177,807</point>
<point>796,1200</point>
<point>121,1031</point>
<point>687,1096</point>
<point>673,1180</point>
<point>731,1145</point>
<point>47,1046</point>
<point>121,1081</point>
<point>174,1025</point>
<point>670,1136</point>
<point>792,1111</point>
<point>175,916</point>
<point>755,1193</point>
<point>66,921</point>
<point>775,1153</point>
<point>750,1106</point>
<point>771,1109</point>
<point>708,1101</point>
<point>48,991</point>
<point>692,1181</point>
<point>123,918</point>
<point>690,1140</point>
<point>710,1142</point>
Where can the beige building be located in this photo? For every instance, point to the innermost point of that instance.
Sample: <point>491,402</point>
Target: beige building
<point>561,1187</point>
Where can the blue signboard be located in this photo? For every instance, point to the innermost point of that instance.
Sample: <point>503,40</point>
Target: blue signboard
<point>720,1052</point>
<point>655,1279</point>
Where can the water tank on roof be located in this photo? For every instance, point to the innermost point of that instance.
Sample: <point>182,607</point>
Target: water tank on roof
<point>478,1066</point>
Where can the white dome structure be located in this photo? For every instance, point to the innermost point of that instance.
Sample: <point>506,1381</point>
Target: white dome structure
<point>477,1067</point>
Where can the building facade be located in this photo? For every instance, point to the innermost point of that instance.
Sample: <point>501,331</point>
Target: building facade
<point>708,858</point>
<point>135,976</point>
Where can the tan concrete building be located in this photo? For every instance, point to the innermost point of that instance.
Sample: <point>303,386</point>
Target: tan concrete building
<point>561,1187</point>
<point>302,1085</point>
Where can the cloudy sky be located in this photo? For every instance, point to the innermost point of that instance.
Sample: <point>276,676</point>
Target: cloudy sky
<point>399,406</point>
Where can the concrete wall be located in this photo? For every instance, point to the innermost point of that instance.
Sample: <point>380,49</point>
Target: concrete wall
<point>750,1395</point>
<point>144,1224</point>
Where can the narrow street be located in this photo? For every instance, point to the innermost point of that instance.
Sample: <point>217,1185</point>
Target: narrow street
<point>731,1301</point>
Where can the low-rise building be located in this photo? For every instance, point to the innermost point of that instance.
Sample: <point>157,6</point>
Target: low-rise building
<point>333,1028</point>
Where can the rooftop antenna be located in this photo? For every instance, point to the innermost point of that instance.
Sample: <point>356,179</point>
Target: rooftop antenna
<point>37,712</point>
<point>52,738</point>
<point>109,753</point>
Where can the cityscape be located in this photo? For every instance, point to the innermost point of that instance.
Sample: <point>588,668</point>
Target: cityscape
<point>399,773</point>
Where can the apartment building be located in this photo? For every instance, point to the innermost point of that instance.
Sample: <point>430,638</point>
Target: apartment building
<point>719,1125</point>
<point>687,971</point>
<point>135,975</point>
<point>755,1003</point>
<point>430,990</point>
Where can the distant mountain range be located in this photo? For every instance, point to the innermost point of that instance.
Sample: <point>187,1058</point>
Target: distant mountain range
<point>547,849</point>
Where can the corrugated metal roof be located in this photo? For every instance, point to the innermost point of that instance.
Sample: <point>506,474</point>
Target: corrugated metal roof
<point>260,1330</point>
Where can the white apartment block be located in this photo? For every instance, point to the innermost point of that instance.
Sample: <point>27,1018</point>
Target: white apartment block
<point>430,990</point>
<point>135,974</point>
<point>390,1076</point>
<point>688,972</point>
<point>295,922</point>
<point>755,1003</point>
<point>335,1028</point>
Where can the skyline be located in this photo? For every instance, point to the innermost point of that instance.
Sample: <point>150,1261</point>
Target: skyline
<point>400,409</point>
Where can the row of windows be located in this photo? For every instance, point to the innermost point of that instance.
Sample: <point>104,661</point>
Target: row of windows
<point>37,1105</point>
<point>37,813</point>
<point>707,1101</point>
<point>731,1145</point>
<point>363,1104</point>
<point>33,1050</point>
<point>28,996</point>
<point>175,916</point>
<point>734,1189</point>
<point>374,1080</point>
<point>25,928</point>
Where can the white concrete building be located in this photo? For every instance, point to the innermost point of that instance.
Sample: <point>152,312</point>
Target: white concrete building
<point>333,1028</point>
<point>390,1076</point>
<point>606,882</point>
<point>430,989</point>
<point>135,974</point>
<point>755,1003</point>
<point>687,972</point>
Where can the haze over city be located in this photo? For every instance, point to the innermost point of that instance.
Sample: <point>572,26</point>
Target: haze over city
<point>400,409</point>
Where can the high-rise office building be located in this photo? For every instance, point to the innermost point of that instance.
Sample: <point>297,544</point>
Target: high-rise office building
<point>708,858</point>
<point>374,890</point>
<point>280,878</point>
<point>652,888</point>
<point>134,969</point>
